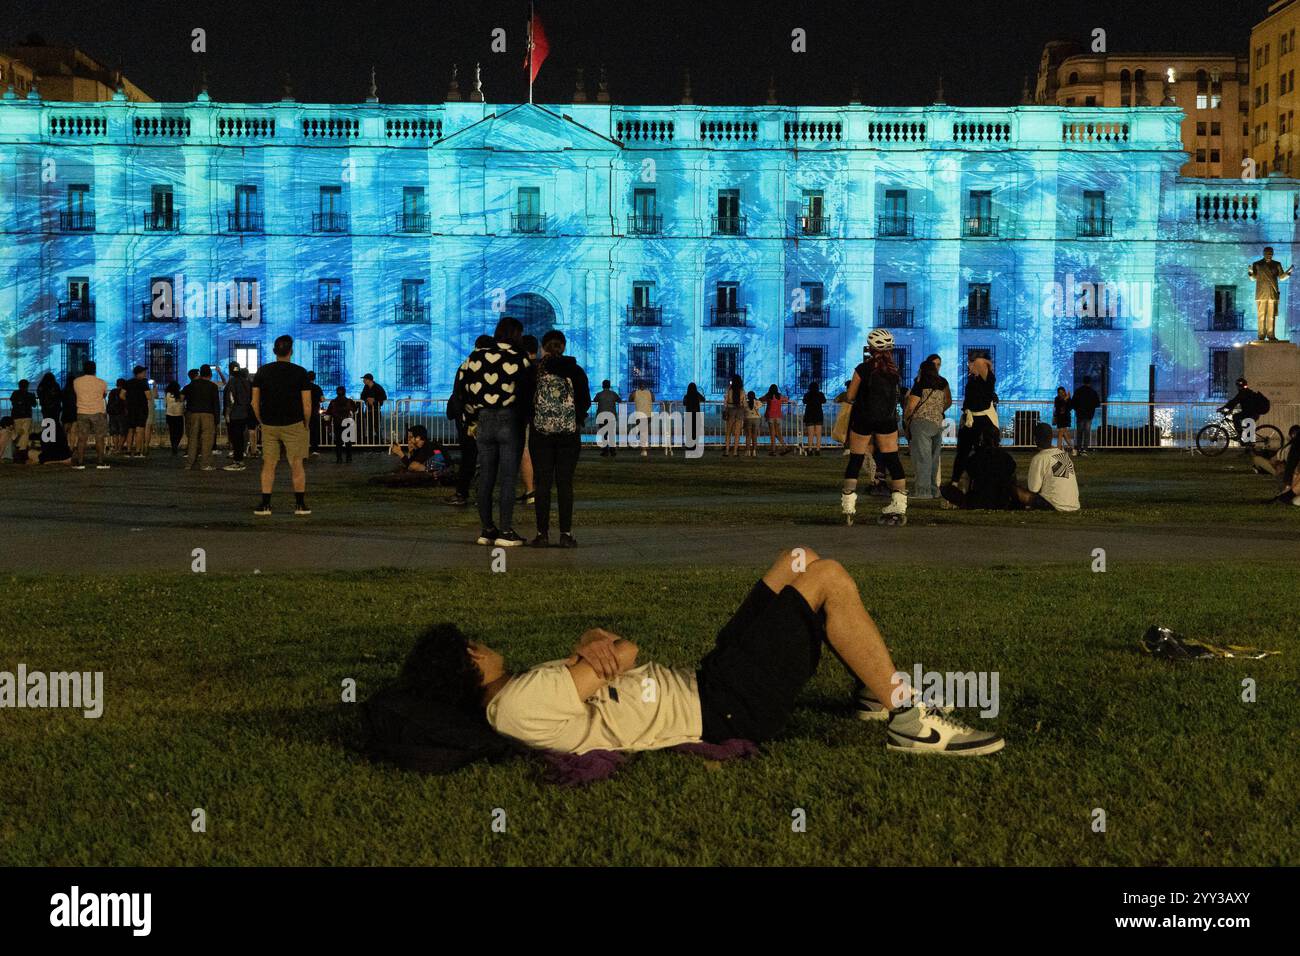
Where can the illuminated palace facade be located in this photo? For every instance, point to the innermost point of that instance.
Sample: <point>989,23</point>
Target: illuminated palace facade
<point>671,244</point>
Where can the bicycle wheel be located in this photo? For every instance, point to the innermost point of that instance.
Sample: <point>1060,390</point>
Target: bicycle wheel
<point>1212,440</point>
<point>1268,440</point>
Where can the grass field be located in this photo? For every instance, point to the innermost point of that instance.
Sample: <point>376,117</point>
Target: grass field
<point>223,692</point>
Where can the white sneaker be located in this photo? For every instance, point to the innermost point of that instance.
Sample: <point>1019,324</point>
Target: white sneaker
<point>923,730</point>
<point>897,504</point>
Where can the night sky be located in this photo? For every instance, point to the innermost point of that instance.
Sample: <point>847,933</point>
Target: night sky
<point>896,49</point>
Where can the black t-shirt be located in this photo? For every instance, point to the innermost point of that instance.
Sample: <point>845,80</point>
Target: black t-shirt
<point>202,397</point>
<point>420,455</point>
<point>137,393</point>
<point>813,402</point>
<point>281,385</point>
<point>22,403</point>
<point>993,476</point>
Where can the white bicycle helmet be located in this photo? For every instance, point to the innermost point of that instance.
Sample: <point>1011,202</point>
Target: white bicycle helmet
<point>880,340</point>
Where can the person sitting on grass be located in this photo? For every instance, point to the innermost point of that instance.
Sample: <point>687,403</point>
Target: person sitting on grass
<point>1053,485</point>
<point>415,452</point>
<point>991,477</point>
<point>1286,466</point>
<point>600,699</point>
<point>7,438</point>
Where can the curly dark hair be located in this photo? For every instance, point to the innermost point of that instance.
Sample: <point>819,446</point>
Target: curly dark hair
<point>439,668</point>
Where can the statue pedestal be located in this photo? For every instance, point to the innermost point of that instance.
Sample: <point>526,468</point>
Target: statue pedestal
<point>1272,368</point>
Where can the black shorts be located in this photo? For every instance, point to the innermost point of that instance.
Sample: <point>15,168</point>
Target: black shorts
<point>763,658</point>
<point>812,418</point>
<point>861,424</point>
<point>137,417</point>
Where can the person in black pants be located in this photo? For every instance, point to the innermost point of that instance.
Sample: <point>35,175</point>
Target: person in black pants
<point>560,403</point>
<point>468,444</point>
<point>977,413</point>
<point>1085,403</point>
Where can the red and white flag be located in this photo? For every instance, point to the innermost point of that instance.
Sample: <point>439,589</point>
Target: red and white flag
<point>538,48</point>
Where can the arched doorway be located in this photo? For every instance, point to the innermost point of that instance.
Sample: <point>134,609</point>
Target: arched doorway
<point>533,311</point>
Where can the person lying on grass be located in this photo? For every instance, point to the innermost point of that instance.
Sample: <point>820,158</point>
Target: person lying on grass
<point>744,689</point>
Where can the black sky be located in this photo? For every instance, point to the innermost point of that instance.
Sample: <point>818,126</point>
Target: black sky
<point>897,49</point>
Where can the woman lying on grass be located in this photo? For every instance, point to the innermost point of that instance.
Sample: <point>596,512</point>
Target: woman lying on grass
<point>598,699</point>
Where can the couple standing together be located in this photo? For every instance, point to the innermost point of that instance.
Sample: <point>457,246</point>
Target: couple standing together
<point>509,399</point>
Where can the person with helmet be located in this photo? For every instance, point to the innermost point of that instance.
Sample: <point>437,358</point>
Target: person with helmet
<point>873,425</point>
<point>1247,403</point>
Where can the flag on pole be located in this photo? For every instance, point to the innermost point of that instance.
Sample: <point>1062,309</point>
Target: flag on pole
<point>538,48</point>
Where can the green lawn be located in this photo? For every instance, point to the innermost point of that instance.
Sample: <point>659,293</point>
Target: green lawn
<point>223,693</point>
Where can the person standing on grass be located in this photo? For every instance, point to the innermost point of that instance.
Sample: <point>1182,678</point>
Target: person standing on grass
<point>561,400</point>
<point>282,404</point>
<point>977,413</point>
<point>733,416</point>
<point>373,397</point>
<point>238,402</point>
<point>814,403</point>
<point>753,411</point>
<point>1085,403</point>
<point>342,415</point>
<point>643,400</point>
<point>693,425</point>
<point>927,401</point>
<point>873,426</point>
<point>745,688</point>
<point>202,406</point>
<point>174,411</point>
<point>21,405</point>
<point>496,381</point>
<point>773,403</point>
<point>139,396</point>
<point>92,418</point>
<point>1061,420</point>
<point>530,346</point>
<point>464,437</point>
<point>50,396</point>
<point>317,402</point>
<point>117,428</point>
<point>607,401</point>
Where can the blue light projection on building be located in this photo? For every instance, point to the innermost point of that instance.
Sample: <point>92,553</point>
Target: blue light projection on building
<point>671,244</point>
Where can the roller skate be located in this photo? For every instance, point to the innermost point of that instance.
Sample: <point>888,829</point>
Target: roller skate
<point>894,514</point>
<point>849,506</point>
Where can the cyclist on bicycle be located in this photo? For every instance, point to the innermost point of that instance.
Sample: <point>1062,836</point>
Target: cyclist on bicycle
<point>1247,403</point>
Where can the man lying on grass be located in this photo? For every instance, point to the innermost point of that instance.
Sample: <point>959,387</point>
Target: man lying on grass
<point>745,688</point>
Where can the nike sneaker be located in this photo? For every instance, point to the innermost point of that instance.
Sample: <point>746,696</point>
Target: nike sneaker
<point>924,730</point>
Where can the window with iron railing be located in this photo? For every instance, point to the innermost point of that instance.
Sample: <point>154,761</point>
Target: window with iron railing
<point>810,365</point>
<point>644,219</point>
<point>78,216</point>
<point>330,217</point>
<point>728,221</point>
<point>980,221</point>
<point>160,215</point>
<point>528,217</point>
<point>246,216</point>
<point>413,217</point>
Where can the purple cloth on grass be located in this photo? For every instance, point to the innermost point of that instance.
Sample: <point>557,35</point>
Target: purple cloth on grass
<point>577,770</point>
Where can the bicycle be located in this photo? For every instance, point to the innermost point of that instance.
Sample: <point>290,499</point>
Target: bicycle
<point>1214,438</point>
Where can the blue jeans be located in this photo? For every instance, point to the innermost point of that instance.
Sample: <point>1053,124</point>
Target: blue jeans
<point>500,445</point>
<point>927,444</point>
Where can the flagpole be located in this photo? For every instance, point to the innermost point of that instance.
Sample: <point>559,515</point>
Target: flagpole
<point>530,51</point>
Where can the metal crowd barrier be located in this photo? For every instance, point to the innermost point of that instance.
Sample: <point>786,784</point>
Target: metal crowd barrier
<point>1116,425</point>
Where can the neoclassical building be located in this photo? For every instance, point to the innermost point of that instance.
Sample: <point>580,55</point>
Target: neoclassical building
<point>670,243</point>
